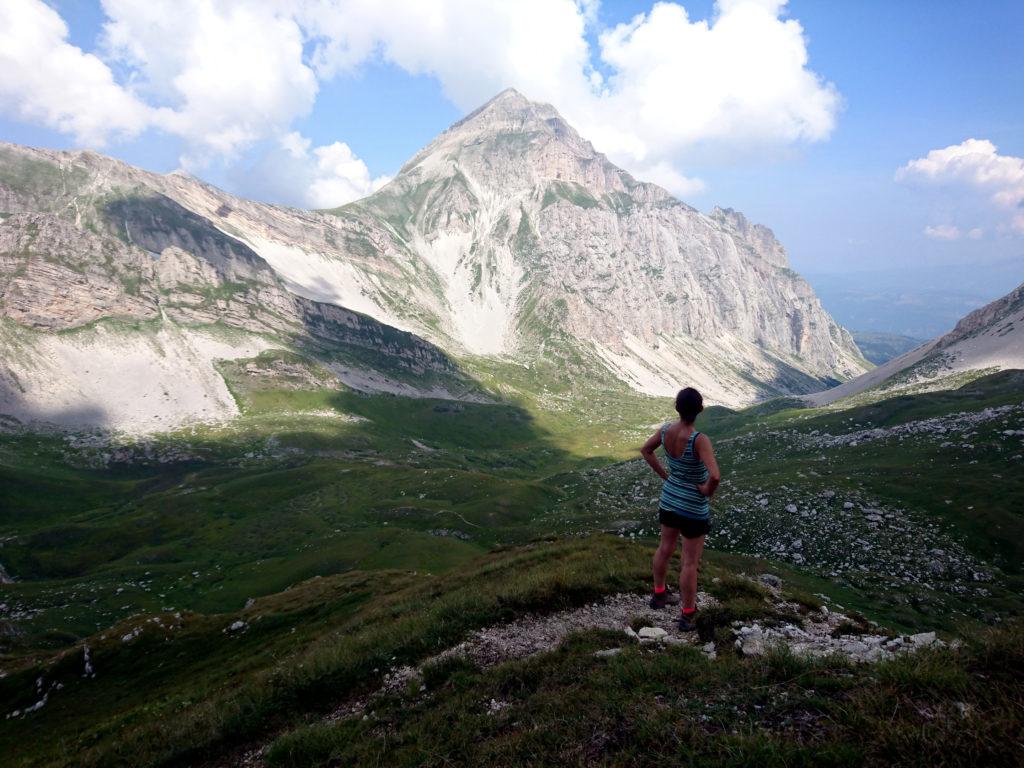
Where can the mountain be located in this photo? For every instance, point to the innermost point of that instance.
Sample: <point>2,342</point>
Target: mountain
<point>117,302</point>
<point>508,239</point>
<point>521,239</point>
<point>986,340</point>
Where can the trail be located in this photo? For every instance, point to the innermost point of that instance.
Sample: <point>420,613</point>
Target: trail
<point>539,633</point>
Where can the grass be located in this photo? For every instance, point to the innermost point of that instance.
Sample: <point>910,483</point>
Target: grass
<point>674,707</point>
<point>186,688</point>
<point>362,551</point>
<point>203,688</point>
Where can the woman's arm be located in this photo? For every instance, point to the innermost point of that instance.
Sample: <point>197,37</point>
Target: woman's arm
<point>707,454</point>
<point>648,453</point>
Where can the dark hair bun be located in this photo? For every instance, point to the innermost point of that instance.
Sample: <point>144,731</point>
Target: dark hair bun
<point>689,403</point>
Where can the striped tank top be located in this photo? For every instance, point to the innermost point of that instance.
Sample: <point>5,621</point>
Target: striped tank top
<point>679,494</point>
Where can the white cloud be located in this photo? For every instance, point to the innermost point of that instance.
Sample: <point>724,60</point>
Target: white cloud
<point>47,81</point>
<point>226,75</point>
<point>296,173</point>
<point>975,168</point>
<point>233,72</point>
<point>742,79</point>
<point>673,85</point>
<point>942,232</point>
<point>663,174</point>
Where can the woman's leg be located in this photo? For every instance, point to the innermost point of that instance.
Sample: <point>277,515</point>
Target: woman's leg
<point>692,549</point>
<point>663,554</point>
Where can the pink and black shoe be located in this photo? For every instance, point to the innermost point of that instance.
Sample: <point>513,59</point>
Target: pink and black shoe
<point>663,598</point>
<point>688,621</point>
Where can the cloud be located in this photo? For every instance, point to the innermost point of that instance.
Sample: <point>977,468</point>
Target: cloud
<point>661,88</point>
<point>295,173</point>
<point>742,79</point>
<point>942,232</point>
<point>47,81</point>
<point>232,73</point>
<point>227,75</point>
<point>665,175</point>
<point>975,169</point>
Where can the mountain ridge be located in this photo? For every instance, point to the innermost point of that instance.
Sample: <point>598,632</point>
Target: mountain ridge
<point>991,338</point>
<point>508,237</point>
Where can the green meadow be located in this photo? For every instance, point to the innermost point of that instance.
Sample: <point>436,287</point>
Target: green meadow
<point>352,532</point>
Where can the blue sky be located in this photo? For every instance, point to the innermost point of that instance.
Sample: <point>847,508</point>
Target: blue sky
<point>884,84</point>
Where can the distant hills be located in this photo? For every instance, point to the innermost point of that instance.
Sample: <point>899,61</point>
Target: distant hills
<point>879,348</point>
<point>987,340</point>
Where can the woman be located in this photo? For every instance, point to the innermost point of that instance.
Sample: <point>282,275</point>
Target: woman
<point>690,483</point>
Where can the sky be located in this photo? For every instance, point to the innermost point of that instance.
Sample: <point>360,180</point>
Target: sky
<point>881,141</point>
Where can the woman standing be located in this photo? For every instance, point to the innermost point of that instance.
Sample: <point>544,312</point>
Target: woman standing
<point>690,483</point>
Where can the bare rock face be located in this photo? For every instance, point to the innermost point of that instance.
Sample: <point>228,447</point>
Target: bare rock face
<point>1000,317</point>
<point>61,277</point>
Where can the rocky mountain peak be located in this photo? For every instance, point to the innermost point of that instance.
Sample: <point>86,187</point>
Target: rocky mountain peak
<point>509,235</point>
<point>511,112</point>
<point>523,146</point>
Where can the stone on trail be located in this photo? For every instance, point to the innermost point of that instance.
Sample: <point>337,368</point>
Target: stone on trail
<point>652,634</point>
<point>770,580</point>
<point>751,642</point>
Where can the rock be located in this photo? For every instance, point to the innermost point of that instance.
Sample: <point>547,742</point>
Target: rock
<point>791,508</point>
<point>963,708</point>
<point>237,626</point>
<point>923,638</point>
<point>854,647</point>
<point>847,505</point>
<point>651,634</point>
<point>751,644</point>
<point>770,580</point>
<point>874,654</point>
<point>608,653</point>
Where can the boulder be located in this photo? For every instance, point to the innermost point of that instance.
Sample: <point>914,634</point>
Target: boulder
<point>651,634</point>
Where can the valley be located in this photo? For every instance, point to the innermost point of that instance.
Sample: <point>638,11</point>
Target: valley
<point>165,558</point>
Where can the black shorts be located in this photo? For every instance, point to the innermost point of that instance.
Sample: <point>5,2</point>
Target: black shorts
<point>688,526</point>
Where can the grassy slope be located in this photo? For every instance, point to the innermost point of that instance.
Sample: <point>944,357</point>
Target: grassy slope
<point>924,475</point>
<point>185,691</point>
<point>675,707</point>
<point>338,497</point>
